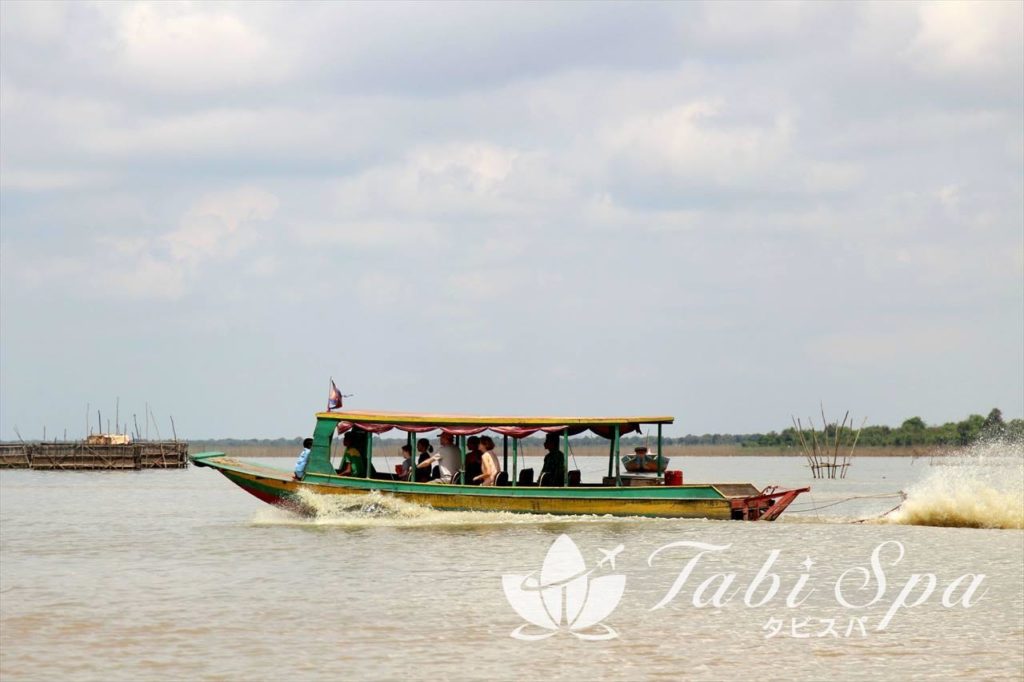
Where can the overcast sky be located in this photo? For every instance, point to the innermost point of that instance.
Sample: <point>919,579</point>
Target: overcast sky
<point>722,212</point>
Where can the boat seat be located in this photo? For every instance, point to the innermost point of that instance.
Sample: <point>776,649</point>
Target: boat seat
<point>574,477</point>
<point>525,477</point>
<point>456,477</point>
<point>552,481</point>
<point>502,478</point>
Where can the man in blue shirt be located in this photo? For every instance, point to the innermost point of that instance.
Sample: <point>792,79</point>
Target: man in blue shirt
<point>300,464</point>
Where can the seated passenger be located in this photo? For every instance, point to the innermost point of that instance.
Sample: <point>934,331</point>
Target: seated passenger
<point>300,464</point>
<point>447,459</point>
<point>424,461</point>
<point>489,461</point>
<point>474,467</point>
<point>352,462</point>
<point>553,472</point>
<point>403,469</point>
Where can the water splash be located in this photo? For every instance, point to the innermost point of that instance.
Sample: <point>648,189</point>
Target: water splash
<point>980,487</point>
<point>377,509</point>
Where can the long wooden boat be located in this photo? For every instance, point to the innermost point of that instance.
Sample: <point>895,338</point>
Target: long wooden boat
<point>616,494</point>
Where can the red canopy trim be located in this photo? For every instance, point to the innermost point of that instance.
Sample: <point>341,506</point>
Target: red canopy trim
<point>602,430</point>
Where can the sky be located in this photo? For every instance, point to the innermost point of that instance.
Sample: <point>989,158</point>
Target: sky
<point>731,213</point>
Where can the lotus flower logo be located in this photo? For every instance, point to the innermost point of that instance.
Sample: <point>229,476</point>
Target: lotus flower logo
<point>565,595</point>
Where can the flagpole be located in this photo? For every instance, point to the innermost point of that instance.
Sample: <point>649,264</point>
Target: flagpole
<point>329,387</point>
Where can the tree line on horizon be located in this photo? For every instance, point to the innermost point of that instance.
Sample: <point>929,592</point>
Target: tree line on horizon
<point>912,432</point>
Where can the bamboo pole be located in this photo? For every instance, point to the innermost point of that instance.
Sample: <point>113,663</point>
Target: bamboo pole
<point>824,436</point>
<point>156,426</point>
<point>803,444</point>
<point>173,430</point>
<point>856,438</point>
<point>814,442</point>
<point>839,431</point>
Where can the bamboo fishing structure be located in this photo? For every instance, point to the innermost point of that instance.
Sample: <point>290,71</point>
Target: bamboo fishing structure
<point>824,457</point>
<point>117,449</point>
<point>94,453</point>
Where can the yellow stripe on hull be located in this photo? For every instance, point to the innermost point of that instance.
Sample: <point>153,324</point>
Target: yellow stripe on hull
<point>689,508</point>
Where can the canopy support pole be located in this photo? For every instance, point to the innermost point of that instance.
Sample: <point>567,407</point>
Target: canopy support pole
<point>515,462</point>
<point>462,460</point>
<point>504,459</point>
<point>611,456</point>
<point>369,453</point>
<point>615,451</point>
<point>412,457</point>
<point>660,465</point>
<point>565,459</point>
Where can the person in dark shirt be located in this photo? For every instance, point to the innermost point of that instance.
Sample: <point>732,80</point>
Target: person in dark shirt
<point>424,459</point>
<point>474,461</point>
<point>553,473</point>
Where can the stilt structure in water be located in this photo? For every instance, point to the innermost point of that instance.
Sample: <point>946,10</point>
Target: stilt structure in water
<point>823,454</point>
<point>114,449</point>
<point>95,453</point>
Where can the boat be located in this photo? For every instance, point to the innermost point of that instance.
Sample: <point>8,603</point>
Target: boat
<point>617,494</point>
<point>642,461</point>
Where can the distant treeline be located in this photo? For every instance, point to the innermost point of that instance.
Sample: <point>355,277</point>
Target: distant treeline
<point>912,432</point>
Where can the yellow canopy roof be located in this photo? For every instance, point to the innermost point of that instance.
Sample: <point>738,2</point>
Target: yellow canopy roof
<point>417,419</point>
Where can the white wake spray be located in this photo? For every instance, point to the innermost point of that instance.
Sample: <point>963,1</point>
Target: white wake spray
<point>982,486</point>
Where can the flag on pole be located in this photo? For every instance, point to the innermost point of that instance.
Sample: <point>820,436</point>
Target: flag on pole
<point>334,398</point>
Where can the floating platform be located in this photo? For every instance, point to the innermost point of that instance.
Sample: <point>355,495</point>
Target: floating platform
<point>81,455</point>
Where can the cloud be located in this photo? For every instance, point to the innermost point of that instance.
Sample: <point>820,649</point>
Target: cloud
<point>189,47</point>
<point>211,228</point>
<point>216,229</point>
<point>692,155</point>
<point>968,38</point>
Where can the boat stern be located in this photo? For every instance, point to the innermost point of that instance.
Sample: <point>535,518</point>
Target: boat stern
<point>764,505</point>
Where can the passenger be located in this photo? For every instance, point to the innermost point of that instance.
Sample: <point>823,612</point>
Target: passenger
<point>491,466</point>
<point>424,461</point>
<point>473,465</point>
<point>403,468</point>
<point>352,462</point>
<point>447,459</point>
<point>300,464</point>
<point>553,472</point>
